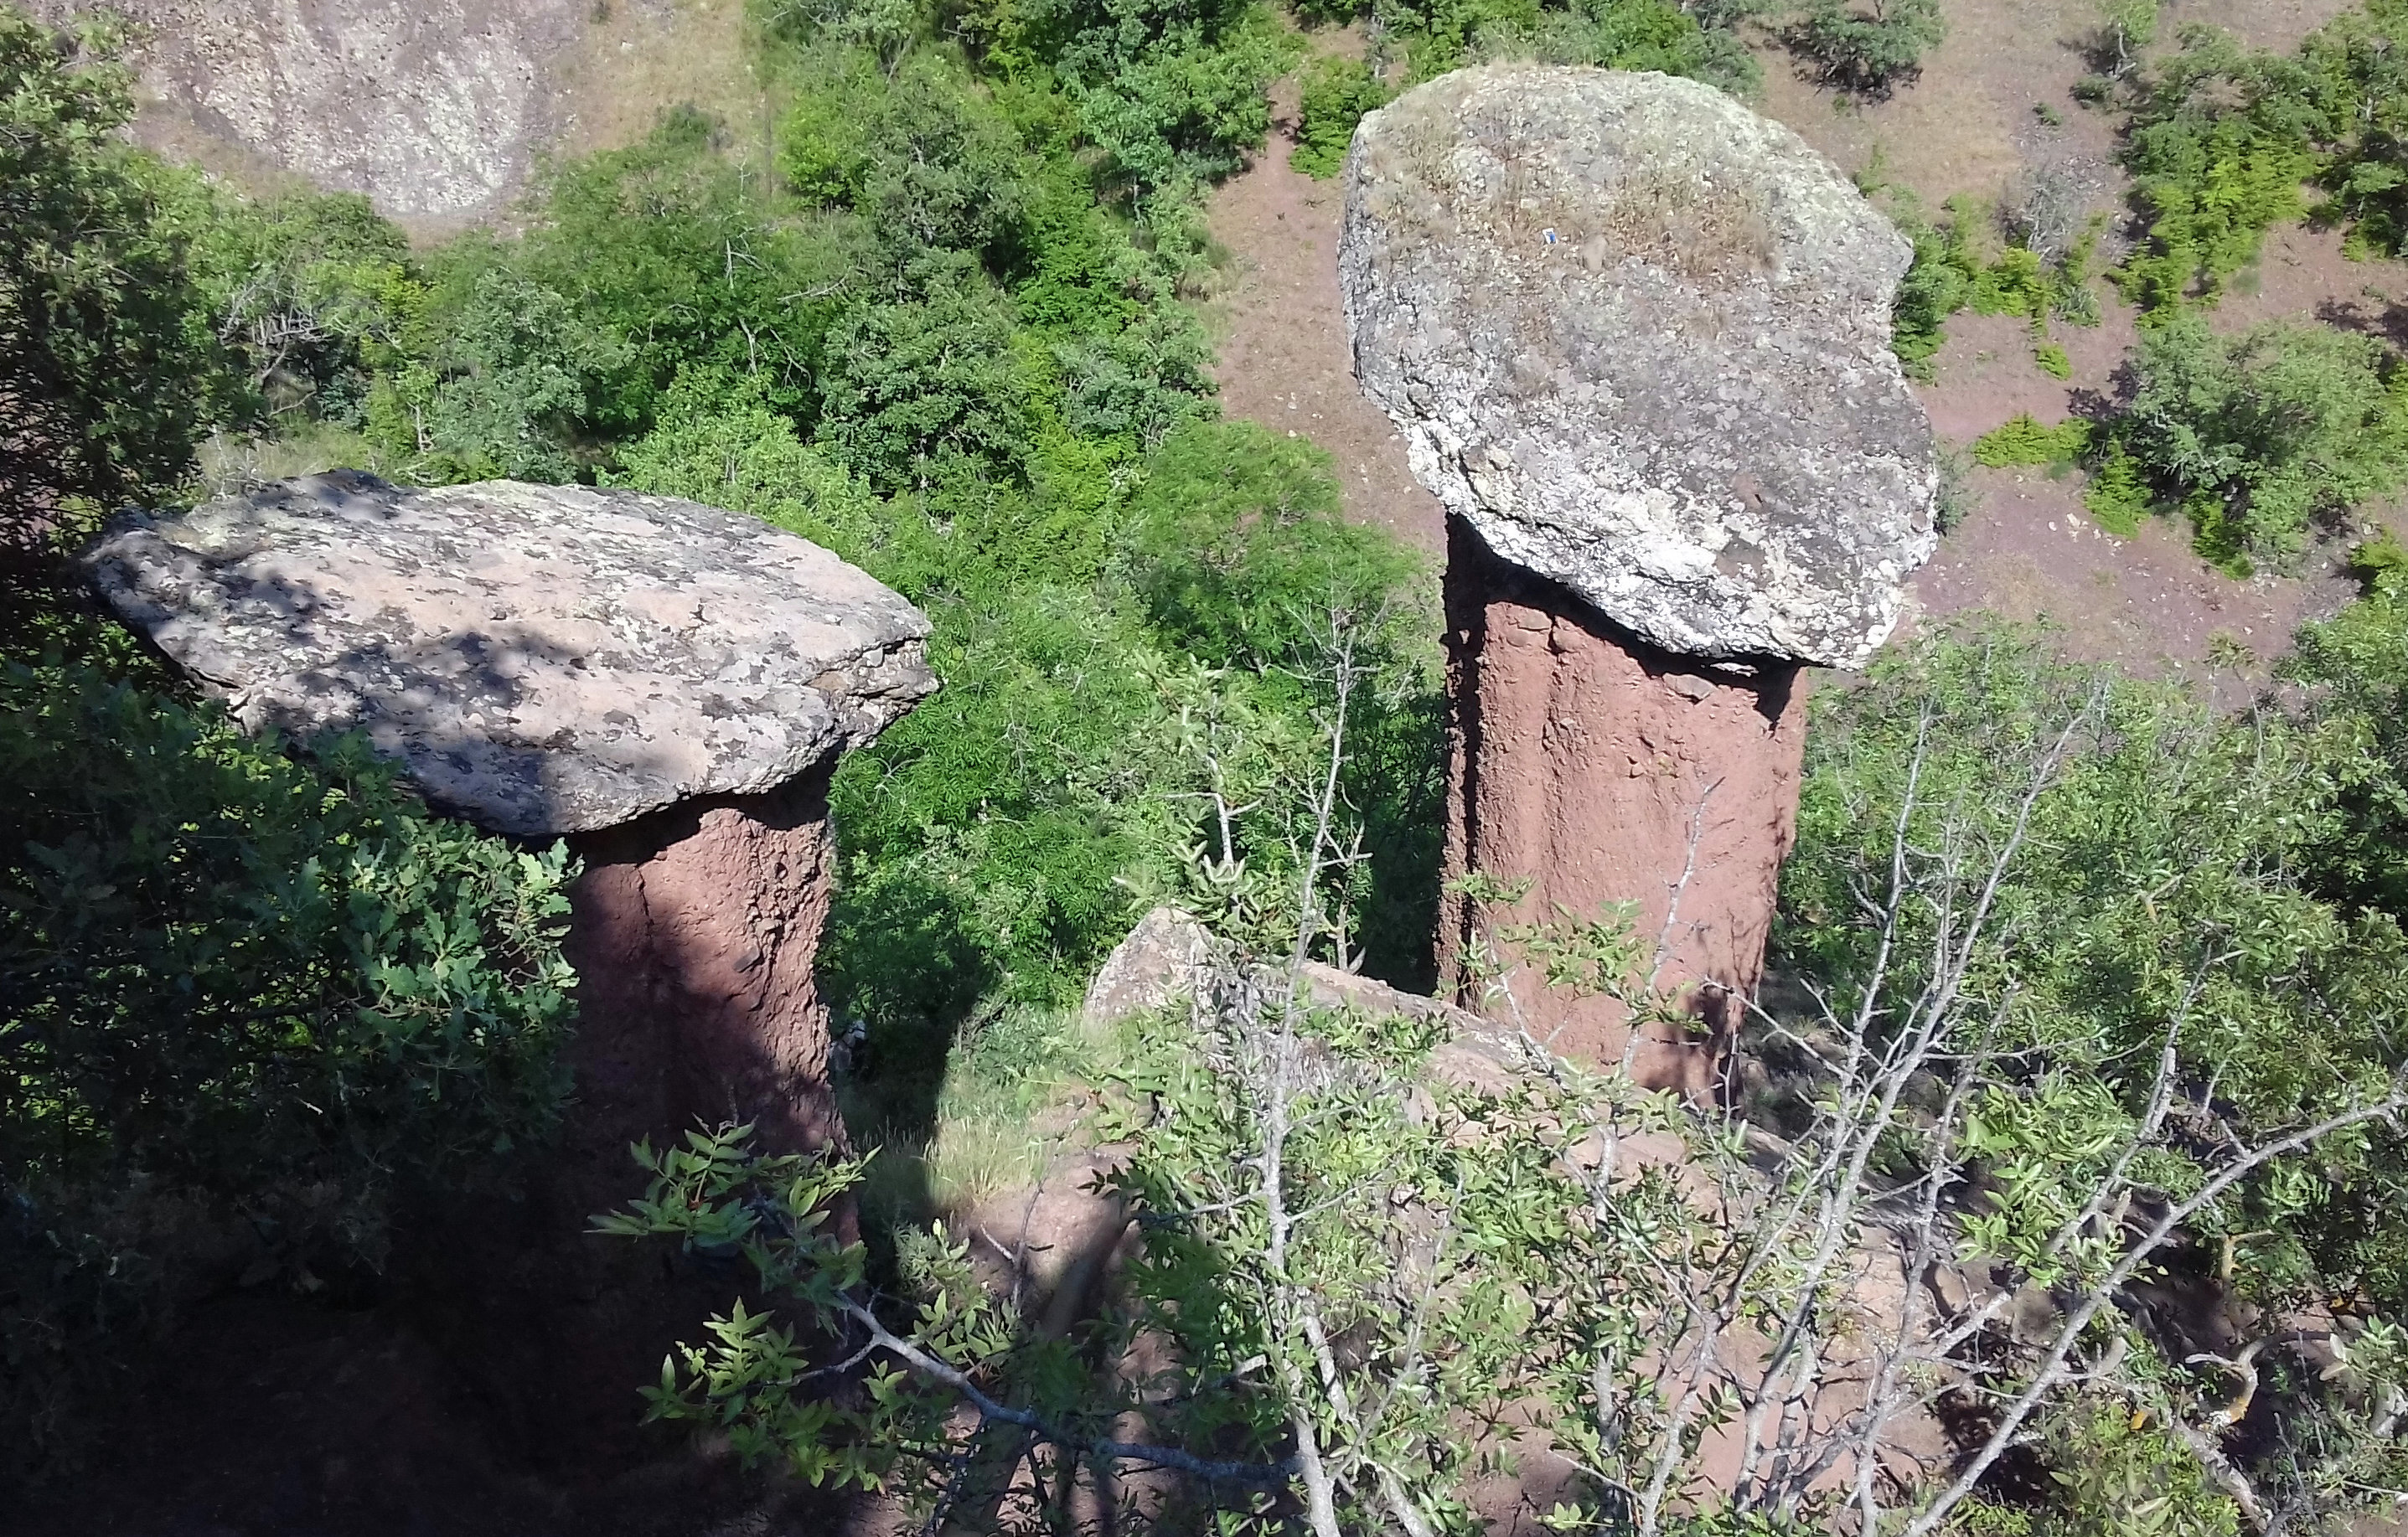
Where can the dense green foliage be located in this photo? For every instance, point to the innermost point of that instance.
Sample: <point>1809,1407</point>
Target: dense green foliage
<point>2257,439</point>
<point>2358,661</point>
<point>1334,94</point>
<point>1869,52</point>
<point>1436,36</point>
<point>2224,142</point>
<point>2189,878</point>
<point>107,365</point>
<point>1166,93</point>
<point>242,1002</point>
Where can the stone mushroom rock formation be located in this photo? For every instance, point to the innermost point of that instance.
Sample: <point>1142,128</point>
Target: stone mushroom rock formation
<point>666,684</point>
<point>1638,340</point>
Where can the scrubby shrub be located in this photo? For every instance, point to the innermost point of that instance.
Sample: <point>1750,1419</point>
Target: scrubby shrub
<point>2362,71</point>
<point>2025,441</point>
<point>1636,34</point>
<point>2224,141</point>
<point>1950,272</point>
<point>2117,496</point>
<point>1336,94</point>
<point>2358,661</point>
<point>2218,150</point>
<point>1697,40</point>
<point>1868,52</point>
<point>2259,437</point>
<point>1235,548</point>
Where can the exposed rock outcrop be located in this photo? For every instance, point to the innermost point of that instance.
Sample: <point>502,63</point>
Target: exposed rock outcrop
<point>543,659</point>
<point>1638,338</point>
<point>667,684</point>
<point>428,106</point>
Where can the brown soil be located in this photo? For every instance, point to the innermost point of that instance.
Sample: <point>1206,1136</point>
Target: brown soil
<point>1285,359</point>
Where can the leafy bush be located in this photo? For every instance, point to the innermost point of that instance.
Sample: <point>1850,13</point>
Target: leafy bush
<point>2171,835</point>
<point>1235,548</point>
<point>1866,53</point>
<point>1336,94</point>
<point>2358,61</point>
<point>1636,34</point>
<point>2024,441</point>
<point>2358,663</point>
<point>2224,140</point>
<point>106,376</point>
<point>1950,273</point>
<point>2118,494</point>
<point>2218,148</point>
<point>242,1002</point>
<point>1436,35</point>
<point>2258,437</point>
<point>1168,92</point>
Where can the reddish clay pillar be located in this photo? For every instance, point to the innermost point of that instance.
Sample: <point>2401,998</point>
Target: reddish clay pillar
<point>692,936</point>
<point>1602,770</point>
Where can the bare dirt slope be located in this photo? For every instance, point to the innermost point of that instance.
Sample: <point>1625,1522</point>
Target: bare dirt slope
<point>1970,125</point>
<point>1283,357</point>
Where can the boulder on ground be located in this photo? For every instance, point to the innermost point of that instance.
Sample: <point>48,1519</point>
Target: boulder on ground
<point>1637,337</point>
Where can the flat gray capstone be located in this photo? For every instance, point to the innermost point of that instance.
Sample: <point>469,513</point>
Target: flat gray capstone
<point>1637,336</point>
<point>542,659</point>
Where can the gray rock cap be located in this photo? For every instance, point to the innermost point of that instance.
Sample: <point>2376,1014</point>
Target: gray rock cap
<point>1639,337</point>
<point>540,660</point>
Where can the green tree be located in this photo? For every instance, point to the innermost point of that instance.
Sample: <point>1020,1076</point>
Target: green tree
<point>236,994</point>
<point>909,385</point>
<point>108,366</point>
<point>2259,438</point>
<point>1866,53</point>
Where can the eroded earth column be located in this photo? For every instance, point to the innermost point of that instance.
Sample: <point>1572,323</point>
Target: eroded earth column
<point>1638,339</point>
<point>664,684</point>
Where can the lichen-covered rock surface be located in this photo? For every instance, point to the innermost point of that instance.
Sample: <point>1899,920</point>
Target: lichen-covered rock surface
<point>1637,336</point>
<point>428,106</point>
<point>542,659</point>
